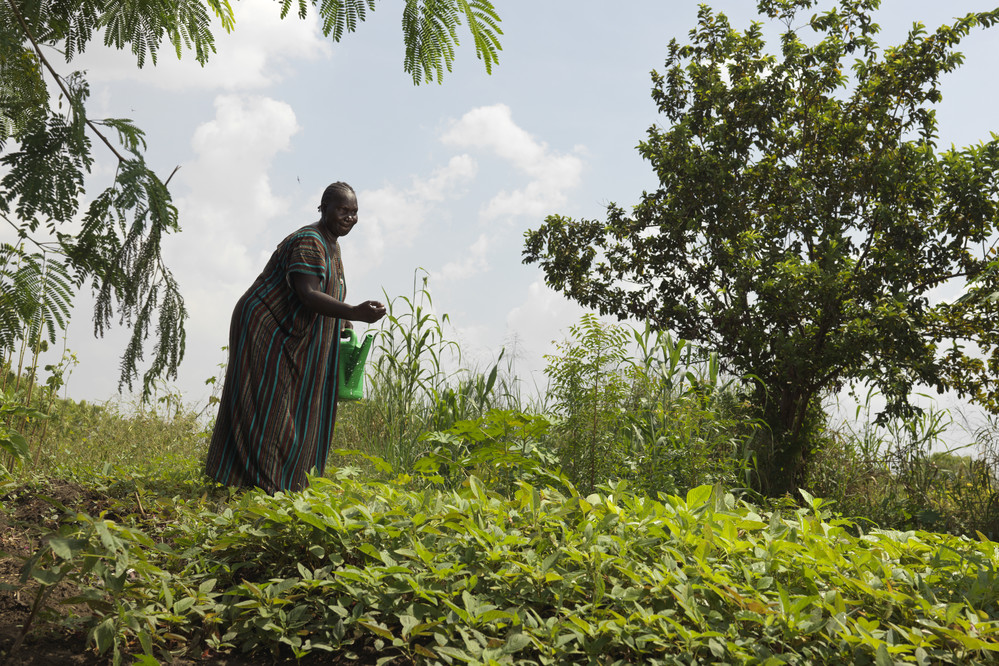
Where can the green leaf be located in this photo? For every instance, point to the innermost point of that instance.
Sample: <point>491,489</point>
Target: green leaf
<point>104,634</point>
<point>699,496</point>
<point>65,548</point>
<point>376,629</point>
<point>46,576</point>
<point>516,642</point>
<point>14,444</point>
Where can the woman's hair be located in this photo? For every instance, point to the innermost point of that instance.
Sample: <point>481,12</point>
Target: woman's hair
<point>334,192</point>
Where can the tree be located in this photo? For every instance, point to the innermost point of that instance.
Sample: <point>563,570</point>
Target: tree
<point>588,387</point>
<point>804,217</point>
<point>113,240</point>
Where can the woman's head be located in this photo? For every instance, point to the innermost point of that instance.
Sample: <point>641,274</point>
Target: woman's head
<point>338,209</point>
<point>335,192</point>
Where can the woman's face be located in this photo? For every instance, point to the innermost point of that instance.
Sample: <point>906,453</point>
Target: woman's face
<point>340,215</point>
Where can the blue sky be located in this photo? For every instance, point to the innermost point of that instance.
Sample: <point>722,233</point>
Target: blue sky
<point>448,176</point>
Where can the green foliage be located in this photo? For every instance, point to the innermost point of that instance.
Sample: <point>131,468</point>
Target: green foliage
<point>587,385</point>
<point>84,436</point>
<point>93,549</point>
<point>634,404</point>
<point>416,384</point>
<point>433,25</point>
<point>803,216</point>
<point>502,448</point>
<point>118,248</point>
<point>13,445</point>
<point>370,571</point>
<point>902,474</point>
<point>429,27</point>
<point>481,550</point>
<point>70,438</point>
<point>684,424</point>
<point>35,297</point>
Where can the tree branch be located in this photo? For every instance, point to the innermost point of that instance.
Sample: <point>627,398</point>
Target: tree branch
<point>39,244</point>
<point>58,79</point>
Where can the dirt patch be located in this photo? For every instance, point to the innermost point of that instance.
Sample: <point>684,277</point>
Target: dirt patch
<point>27,513</point>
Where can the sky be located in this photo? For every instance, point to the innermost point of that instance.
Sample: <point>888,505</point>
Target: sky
<point>448,177</point>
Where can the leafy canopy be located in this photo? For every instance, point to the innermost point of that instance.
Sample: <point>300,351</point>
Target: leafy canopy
<point>47,149</point>
<point>805,214</point>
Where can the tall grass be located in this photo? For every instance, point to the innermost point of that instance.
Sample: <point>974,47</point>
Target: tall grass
<point>67,437</point>
<point>622,403</point>
<point>902,474</point>
<point>416,384</point>
<point>639,405</point>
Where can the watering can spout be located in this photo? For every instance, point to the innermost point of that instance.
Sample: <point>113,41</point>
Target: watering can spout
<point>353,355</point>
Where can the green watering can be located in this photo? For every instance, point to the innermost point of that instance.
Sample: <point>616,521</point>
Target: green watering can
<point>353,354</point>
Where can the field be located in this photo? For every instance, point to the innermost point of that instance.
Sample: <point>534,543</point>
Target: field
<point>615,523</point>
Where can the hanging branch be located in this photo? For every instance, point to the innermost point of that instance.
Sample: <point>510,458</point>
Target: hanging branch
<point>58,78</point>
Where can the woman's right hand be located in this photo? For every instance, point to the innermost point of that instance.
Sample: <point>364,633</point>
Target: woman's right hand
<point>369,311</point>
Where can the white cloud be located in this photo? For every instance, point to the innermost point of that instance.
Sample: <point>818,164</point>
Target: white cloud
<point>536,324</point>
<point>227,207</point>
<point>254,55</point>
<point>229,200</point>
<point>492,128</point>
<point>442,182</point>
<point>225,202</point>
<point>394,217</point>
<point>474,261</point>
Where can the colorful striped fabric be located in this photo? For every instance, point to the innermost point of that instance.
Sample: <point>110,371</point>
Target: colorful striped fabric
<point>278,404</point>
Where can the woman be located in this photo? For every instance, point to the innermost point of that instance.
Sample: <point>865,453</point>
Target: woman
<point>278,403</point>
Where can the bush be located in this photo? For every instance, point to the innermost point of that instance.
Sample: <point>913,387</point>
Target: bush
<point>900,475</point>
<point>637,405</point>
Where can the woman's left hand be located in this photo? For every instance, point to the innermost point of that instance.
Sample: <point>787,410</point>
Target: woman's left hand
<point>369,312</point>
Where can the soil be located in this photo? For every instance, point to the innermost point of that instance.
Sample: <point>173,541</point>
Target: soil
<point>26,513</point>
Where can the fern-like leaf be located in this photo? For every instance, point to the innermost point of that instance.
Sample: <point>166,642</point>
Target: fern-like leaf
<point>130,136</point>
<point>430,30</point>
<point>45,176</point>
<point>303,8</point>
<point>483,23</point>
<point>133,282</point>
<point>342,16</point>
<point>36,293</point>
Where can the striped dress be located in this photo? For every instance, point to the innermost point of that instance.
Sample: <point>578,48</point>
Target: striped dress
<point>278,404</point>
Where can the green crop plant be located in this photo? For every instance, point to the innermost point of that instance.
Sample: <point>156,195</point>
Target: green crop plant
<point>539,575</point>
<point>637,404</point>
<point>502,448</point>
<point>686,423</point>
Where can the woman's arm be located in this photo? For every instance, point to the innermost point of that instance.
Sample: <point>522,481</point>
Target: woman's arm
<point>313,297</point>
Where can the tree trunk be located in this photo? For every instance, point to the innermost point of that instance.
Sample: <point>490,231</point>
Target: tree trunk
<point>783,452</point>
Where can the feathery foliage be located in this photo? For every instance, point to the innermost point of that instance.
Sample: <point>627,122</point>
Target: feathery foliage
<point>48,153</point>
<point>36,293</point>
<point>431,27</point>
<point>338,15</point>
